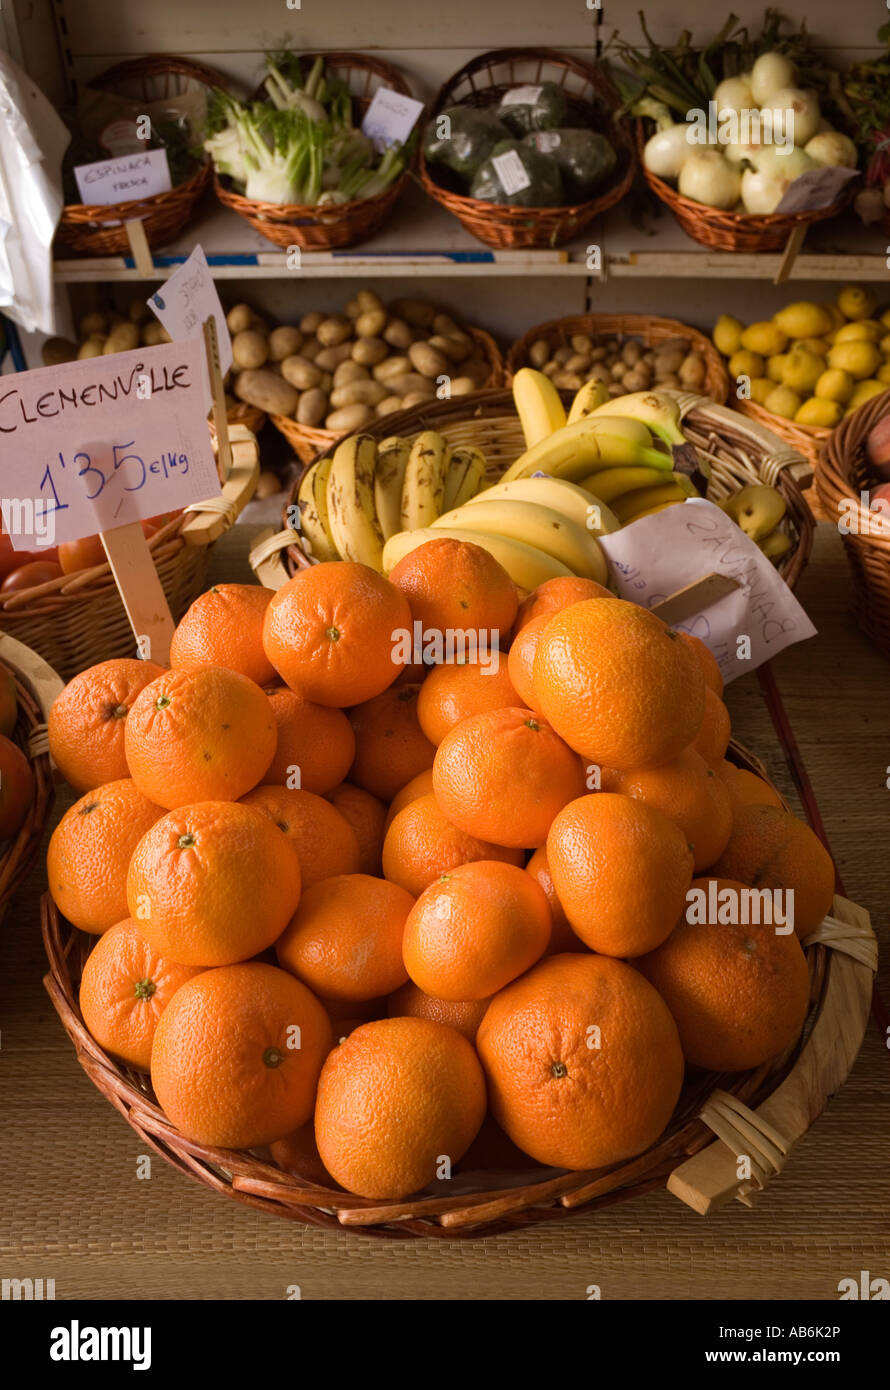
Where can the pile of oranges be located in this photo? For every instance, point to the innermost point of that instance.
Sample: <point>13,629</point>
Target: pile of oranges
<point>378,917</point>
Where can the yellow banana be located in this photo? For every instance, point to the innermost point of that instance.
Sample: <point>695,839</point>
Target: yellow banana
<point>591,396</point>
<point>389,477</point>
<point>539,526</point>
<point>610,483</point>
<point>424,486</point>
<point>538,405</point>
<point>588,445</point>
<point>629,507</point>
<point>466,470</point>
<point>650,511</point>
<point>561,496</point>
<point>525,565</point>
<point>656,409</point>
<point>312,501</point>
<point>351,513</point>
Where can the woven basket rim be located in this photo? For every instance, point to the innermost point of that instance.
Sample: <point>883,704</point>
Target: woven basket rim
<point>33,711</point>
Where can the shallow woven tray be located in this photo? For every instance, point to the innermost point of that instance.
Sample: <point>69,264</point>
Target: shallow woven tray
<point>308,442</point>
<point>98,229</point>
<point>842,473</point>
<point>643,328</point>
<point>795,1088</point>
<point>334,225</point>
<point>592,99</point>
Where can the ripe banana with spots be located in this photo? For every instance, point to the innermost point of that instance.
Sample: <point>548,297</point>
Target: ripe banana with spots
<point>423,490</point>
<point>526,566</point>
<point>351,514</point>
<point>591,396</point>
<point>635,504</point>
<point>312,501</point>
<point>589,445</point>
<point>538,405</point>
<point>561,496</point>
<point>464,476</point>
<point>541,527</point>
<point>389,478</point>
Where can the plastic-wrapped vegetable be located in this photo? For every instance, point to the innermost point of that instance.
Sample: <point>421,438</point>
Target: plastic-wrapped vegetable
<point>585,158</point>
<point>471,136</point>
<point>539,106</point>
<point>517,175</point>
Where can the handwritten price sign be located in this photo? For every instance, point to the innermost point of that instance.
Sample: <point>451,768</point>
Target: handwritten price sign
<point>187,299</point>
<point>90,446</point>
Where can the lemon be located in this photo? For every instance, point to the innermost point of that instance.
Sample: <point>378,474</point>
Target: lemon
<point>884,345</point>
<point>727,335</point>
<point>761,386</point>
<point>745,363</point>
<point>865,330</point>
<point>783,401</point>
<point>835,385</point>
<point>883,373</point>
<point>856,302</point>
<point>765,338</point>
<point>834,313</point>
<point>802,370</point>
<point>819,412</point>
<point>803,320</point>
<point>865,390</point>
<point>775,365</point>
<point>860,359</point>
<point>885,318</point>
<point>818,345</point>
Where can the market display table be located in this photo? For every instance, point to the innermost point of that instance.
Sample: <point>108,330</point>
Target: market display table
<point>76,1210</point>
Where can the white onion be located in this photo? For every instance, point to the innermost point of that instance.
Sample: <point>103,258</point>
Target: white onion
<point>770,74</point>
<point>832,149</point>
<point>667,150</point>
<point>795,114</point>
<point>733,94</point>
<point>706,177</point>
<point>764,186</point>
<point>786,165</point>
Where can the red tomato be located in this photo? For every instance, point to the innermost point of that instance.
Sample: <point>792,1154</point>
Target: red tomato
<point>26,576</point>
<point>82,554</point>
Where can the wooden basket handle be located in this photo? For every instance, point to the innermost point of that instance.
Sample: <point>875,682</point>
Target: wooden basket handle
<point>211,518</point>
<point>266,557</point>
<point>777,454</point>
<point>44,683</point>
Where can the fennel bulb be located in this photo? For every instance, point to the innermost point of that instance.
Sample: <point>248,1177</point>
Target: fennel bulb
<point>707,177</point>
<point>666,151</point>
<point>770,74</point>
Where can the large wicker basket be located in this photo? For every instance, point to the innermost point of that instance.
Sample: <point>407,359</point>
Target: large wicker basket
<point>643,328</point>
<point>761,1113</point>
<point>36,687</point>
<point>79,619</point>
<point>842,475</point>
<point>806,440</point>
<point>734,231</point>
<point>592,101</point>
<point>333,225</point>
<point>98,229</point>
<point>308,441</point>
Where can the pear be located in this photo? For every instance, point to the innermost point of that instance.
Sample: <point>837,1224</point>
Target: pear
<point>756,509</point>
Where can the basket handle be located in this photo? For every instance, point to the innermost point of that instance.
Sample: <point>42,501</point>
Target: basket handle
<point>44,683</point>
<point>777,454</point>
<point>217,514</point>
<point>266,557</point>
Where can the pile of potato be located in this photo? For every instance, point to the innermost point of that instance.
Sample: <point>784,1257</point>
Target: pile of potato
<point>340,372</point>
<point>101,333</point>
<point>623,364</point>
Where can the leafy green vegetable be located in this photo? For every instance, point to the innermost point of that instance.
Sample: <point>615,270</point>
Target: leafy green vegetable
<point>539,106</point>
<point>585,158</point>
<point>542,185</point>
<point>467,140</point>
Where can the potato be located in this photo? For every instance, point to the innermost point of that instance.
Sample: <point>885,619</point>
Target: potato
<point>284,341</point>
<point>266,391</point>
<point>310,349</point>
<point>349,371</point>
<point>349,418</point>
<point>418,312</point>
<point>358,393</point>
<point>445,326</point>
<point>122,338</point>
<point>428,361</point>
<point>249,349</point>
<point>580,343</point>
<point>599,372</point>
<point>636,378</point>
<point>93,326</point>
<point>330,332</point>
<point>568,381</point>
<point>388,406</point>
<point>463,386</point>
<point>410,382</point>
<point>692,371</point>
<point>578,362</point>
<point>370,324</point>
<point>151,333</point>
<point>313,407</point>
<point>397,334</point>
<point>331,357</point>
<point>668,362</point>
<point>301,373</point>
<point>675,345</point>
<point>414,398</point>
<point>138,311</point>
<point>615,388</point>
<point>239,318</point>
<point>368,301</point>
<point>309,322</point>
<point>618,371</point>
<point>477,370</point>
<point>369,351</point>
<point>598,354</point>
<point>391,367</point>
<point>327,382</point>
<point>550,369</point>
<point>562,355</point>
<point>352,308</point>
<point>671,382</point>
<point>455,349</point>
<point>259,325</point>
<point>631,354</point>
<point>55,351</point>
<point>539,353</point>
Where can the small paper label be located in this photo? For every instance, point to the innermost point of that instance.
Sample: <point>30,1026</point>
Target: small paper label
<point>521,96</point>
<point>511,172</point>
<point>187,300</point>
<point>653,558</point>
<point>817,188</point>
<point>123,179</point>
<point>390,118</point>
<point>547,140</point>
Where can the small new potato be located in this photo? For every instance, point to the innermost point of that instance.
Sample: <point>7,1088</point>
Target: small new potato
<point>389,405</point>
<point>267,391</point>
<point>312,407</point>
<point>368,300</point>
<point>428,361</point>
<point>301,373</point>
<point>348,371</point>
<point>55,351</point>
<point>463,386</point>
<point>369,351</point>
<point>331,357</point>
<point>457,350</point>
<point>371,323</point>
<point>539,353</point>
<point>358,393</point>
<point>250,349</point>
<point>309,323</point>
<point>153,333</point>
<point>410,383</point>
<point>93,326</point>
<point>349,418</point>
<point>398,334</point>
<point>284,341</point>
<point>419,313</point>
<point>444,325</point>
<point>124,337</point>
<point>239,318</point>
<point>391,367</point>
<point>333,331</point>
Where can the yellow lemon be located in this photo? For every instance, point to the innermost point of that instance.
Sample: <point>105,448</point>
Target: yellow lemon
<point>761,386</point>
<point>885,318</point>
<point>802,370</point>
<point>803,320</point>
<point>861,359</point>
<point>884,345</point>
<point>856,302</point>
<point>765,338</point>
<point>783,401</point>
<point>883,373</point>
<point>835,385</point>
<point>727,335</point>
<point>834,313</point>
<point>744,363</point>
<point>818,345</point>
<point>865,390</point>
<point>819,412</point>
<point>775,365</point>
<point>863,330</point>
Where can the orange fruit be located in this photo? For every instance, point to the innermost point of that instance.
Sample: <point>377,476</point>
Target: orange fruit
<point>325,842</point>
<point>583,1062</point>
<point>366,815</point>
<point>390,746</point>
<point>394,1100</point>
<point>691,793</point>
<point>521,658</point>
<point>738,992</point>
<point>345,939</point>
<point>213,884</point>
<point>710,668</point>
<point>554,595</point>
<point>16,788</point>
<point>746,788</point>
<point>297,1153</point>
<point>562,937</point>
<point>87,721</point>
<point>503,776</point>
<point>237,1054</point>
<point>456,586</point>
<point>124,989</point>
<point>201,735</point>
<point>411,1002</point>
<point>224,627</point>
<point>421,785</point>
<point>315,746</point>
<point>454,691</point>
<point>621,869</point>
<point>81,554</point>
<point>475,929</point>
<point>331,631</point>
<point>772,849</point>
<point>618,685</point>
<point>712,739</point>
<point>89,853</point>
<point>422,844</point>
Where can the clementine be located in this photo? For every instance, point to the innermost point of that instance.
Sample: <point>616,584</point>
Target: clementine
<point>325,842</point>
<point>345,939</point>
<point>87,721</point>
<point>422,844</point>
<point>456,586</point>
<point>390,746</point>
<point>691,793</point>
<point>411,1002</point>
<point>746,788</point>
<point>772,849</point>
<point>554,595</point>
<point>521,658</point>
<point>710,668</point>
<point>367,816</point>
<point>562,937</point>
<point>224,627</point>
<point>712,739</point>
<point>421,785</point>
<point>454,691</point>
<point>16,788</point>
<point>315,746</point>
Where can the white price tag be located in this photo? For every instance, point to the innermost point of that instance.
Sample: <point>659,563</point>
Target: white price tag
<point>521,96</point>
<point>187,300</point>
<point>511,172</point>
<point>390,118</point>
<point>124,178</point>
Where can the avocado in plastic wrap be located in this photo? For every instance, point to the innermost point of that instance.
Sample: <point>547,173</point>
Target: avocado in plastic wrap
<point>517,175</point>
<point>585,158</point>
<point>472,135</point>
<point>533,106</point>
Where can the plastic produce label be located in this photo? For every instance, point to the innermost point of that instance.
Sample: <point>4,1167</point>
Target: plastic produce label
<point>511,172</point>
